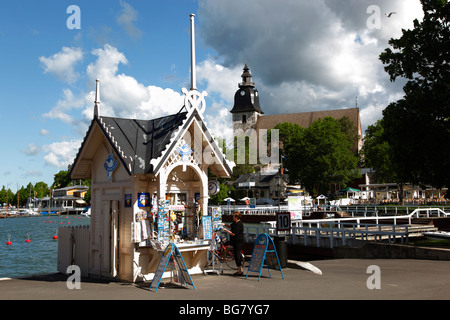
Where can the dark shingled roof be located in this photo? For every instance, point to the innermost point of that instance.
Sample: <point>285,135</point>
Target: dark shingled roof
<point>136,142</point>
<point>142,139</point>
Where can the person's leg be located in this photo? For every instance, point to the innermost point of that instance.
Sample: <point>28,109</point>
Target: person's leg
<point>237,248</point>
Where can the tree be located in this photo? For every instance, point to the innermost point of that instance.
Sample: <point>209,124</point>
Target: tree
<point>376,153</point>
<point>62,179</point>
<point>320,154</point>
<point>417,127</point>
<point>7,197</point>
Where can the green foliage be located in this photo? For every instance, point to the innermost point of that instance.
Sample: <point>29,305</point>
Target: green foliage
<point>41,189</point>
<point>417,127</point>
<point>376,153</point>
<point>319,155</point>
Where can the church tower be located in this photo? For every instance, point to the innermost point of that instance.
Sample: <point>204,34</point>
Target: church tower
<point>246,109</point>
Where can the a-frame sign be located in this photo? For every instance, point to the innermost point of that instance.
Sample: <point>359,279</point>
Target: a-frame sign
<point>264,251</point>
<point>171,251</point>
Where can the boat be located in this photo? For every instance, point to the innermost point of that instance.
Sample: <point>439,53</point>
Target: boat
<point>437,235</point>
<point>26,212</point>
<point>87,212</point>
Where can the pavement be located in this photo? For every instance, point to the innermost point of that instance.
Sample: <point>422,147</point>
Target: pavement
<point>336,279</point>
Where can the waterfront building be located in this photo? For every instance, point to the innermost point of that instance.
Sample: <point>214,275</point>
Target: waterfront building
<point>149,187</point>
<point>63,200</point>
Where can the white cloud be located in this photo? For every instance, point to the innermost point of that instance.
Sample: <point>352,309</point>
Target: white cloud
<point>127,20</point>
<point>219,79</point>
<point>44,132</point>
<point>121,95</point>
<point>61,154</point>
<point>32,149</point>
<point>219,122</point>
<point>64,106</point>
<point>62,64</point>
<point>304,55</point>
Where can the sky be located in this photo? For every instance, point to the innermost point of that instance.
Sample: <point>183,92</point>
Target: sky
<point>304,56</point>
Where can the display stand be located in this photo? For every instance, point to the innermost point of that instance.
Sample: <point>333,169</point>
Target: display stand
<point>208,235</point>
<point>213,246</point>
<point>264,251</point>
<point>171,251</point>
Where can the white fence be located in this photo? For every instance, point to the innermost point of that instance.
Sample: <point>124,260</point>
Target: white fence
<point>342,230</point>
<point>73,248</point>
<point>332,235</point>
<point>351,210</point>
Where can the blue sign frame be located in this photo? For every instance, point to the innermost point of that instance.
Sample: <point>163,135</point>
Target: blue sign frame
<point>264,250</point>
<point>171,251</point>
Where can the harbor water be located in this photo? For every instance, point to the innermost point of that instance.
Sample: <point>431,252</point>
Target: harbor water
<point>39,254</point>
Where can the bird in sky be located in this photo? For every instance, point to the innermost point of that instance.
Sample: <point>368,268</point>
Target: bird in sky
<point>390,14</point>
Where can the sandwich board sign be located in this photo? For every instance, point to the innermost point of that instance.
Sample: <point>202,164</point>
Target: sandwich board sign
<point>264,251</point>
<point>171,251</point>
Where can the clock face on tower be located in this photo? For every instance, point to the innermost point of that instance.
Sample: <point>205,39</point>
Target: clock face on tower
<point>242,93</point>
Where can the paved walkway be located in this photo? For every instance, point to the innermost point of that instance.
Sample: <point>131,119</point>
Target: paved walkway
<point>340,279</point>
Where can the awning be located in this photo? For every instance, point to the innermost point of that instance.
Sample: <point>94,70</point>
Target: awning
<point>350,190</point>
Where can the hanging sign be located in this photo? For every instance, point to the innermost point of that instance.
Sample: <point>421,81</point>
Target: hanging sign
<point>213,187</point>
<point>143,199</point>
<point>128,200</point>
<point>171,251</point>
<point>264,250</point>
<point>207,227</point>
<point>163,221</point>
<point>110,165</point>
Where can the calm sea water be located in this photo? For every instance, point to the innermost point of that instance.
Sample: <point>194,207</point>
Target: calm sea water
<point>38,256</point>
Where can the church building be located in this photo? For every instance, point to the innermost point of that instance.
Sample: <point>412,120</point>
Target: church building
<point>247,112</point>
<point>270,184</point>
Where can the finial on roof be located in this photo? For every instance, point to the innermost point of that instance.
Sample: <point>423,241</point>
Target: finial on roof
<point>97,97</point>
<point>193,75</point>
<point>193,99</point>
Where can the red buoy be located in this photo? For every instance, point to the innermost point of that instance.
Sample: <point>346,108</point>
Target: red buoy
<point>8,243</point>
<point>28,240</point>
<point>55,237</point>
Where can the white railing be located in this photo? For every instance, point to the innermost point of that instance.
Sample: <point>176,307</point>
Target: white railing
<point>352,210</point>
<point>308,235</point>
<point>244,209</point>
<point>343,229</point>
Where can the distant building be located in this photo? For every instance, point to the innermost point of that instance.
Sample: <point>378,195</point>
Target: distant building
<point>247,115</point>
<point>64,200</point>
<point>247,112</point>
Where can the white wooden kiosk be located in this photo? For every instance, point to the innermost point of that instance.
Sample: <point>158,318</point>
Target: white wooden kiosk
<point>149,186</point>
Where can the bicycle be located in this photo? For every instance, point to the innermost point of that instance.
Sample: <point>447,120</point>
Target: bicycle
<point>223,252</point>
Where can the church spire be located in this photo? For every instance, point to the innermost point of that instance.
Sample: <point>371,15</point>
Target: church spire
<point>246,98</point>
<point>246,78</point>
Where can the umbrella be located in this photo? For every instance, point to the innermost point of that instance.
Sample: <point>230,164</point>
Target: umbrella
<point>231,199</point>
<point>245,198</point>
<point>349,189</point>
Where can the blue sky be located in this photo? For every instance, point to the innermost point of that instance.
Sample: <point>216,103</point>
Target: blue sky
<point>304,56</point>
